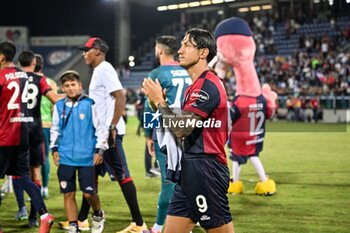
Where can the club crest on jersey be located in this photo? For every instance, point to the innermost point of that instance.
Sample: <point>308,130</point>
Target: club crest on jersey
<point>81,116</point>
<point>63,184</point>
<point>199,95</point>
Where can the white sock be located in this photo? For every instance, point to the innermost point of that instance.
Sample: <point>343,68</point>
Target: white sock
<point>236,170</point>
<point>44,216</point>
<point>259,168</point>
<point>157,227</point>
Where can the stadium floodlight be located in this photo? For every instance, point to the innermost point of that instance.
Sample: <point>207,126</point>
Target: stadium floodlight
<point>194,4</point>
<point>243,9</point>
<point>162,8</point>
<point>347,1</point>
<point>266,7</point>
<point>205,3</point>
<point>132,64</point>
<point>131,58</point>
<point>173,7</point>
<point>255,8</point>
<point>183,5</point>
<point>217,1</point>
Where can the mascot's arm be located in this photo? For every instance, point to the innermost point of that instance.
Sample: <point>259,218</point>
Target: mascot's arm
<point>271,98</point>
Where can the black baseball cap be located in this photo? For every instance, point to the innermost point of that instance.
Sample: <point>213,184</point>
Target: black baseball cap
<point>95,42</point>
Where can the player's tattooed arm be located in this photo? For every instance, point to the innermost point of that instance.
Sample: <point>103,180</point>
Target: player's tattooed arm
<point>176,122</point>
<point>181,125</point>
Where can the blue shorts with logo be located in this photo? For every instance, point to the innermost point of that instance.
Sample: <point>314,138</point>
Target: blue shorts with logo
<point>67,178</point>
<point>201,193</point>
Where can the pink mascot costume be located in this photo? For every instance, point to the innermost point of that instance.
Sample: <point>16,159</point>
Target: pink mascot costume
<point>251,106</point>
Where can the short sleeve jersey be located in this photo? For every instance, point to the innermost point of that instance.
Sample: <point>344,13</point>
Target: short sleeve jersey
<point>37,88</point>
<point>248,115</point>
<point>13,107</point>
<point>207,98</point>
<point>46,107</point>
<point>174,79</point>
<point>104,81</point>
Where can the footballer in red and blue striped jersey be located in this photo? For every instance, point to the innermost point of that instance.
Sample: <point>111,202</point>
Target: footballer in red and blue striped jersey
<point>13,115</point>
<point>14,158</point>
<point>200,192</point>
<point>37,88</point>
<point>204,156</point>
<point>13,108</point>
<point>207,98</point>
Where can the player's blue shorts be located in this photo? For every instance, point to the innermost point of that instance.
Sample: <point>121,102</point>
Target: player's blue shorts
<point>201,194</point>
<point>14,160</point>
<point>115,162</point>
<point>241,159</point>
<point>67,178</point>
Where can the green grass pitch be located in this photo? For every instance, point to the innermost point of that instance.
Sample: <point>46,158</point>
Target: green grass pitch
<point>309,162</point>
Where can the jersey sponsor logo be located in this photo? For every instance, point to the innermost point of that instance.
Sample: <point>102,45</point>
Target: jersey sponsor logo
<point>199,95</point>
<point>63,184</point>
<point>21,119</point>
<point>205,218</point>
<point>81,116</point>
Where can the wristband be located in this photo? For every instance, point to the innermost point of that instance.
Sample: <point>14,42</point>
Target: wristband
<point>111,127</point>
<point>99,151</point>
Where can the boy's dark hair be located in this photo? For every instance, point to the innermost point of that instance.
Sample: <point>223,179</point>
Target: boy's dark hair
<point>26,58</point>
<point>69,75</point>
<point>8,49</point>
<point>170,44</point>
<point>39,62</point>
<point>203,39</point>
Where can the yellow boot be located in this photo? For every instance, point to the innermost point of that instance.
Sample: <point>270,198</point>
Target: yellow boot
<point>83,226</point>
<point>235,187</point>
<point>266,188</point>
<point>133,228</point>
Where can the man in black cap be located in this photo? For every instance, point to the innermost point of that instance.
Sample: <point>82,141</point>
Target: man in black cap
<point>106,90</point>
<point>96,43</point>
